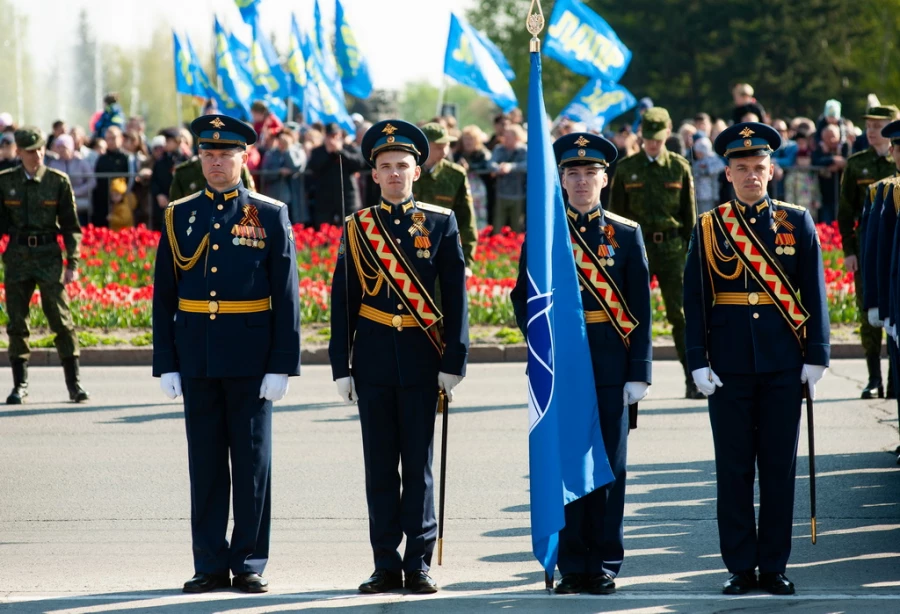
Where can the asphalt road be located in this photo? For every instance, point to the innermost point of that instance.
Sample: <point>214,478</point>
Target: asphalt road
<point>94,504</point>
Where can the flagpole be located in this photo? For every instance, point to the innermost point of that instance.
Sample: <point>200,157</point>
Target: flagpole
<point>178,110</point>
<point>441,92</point>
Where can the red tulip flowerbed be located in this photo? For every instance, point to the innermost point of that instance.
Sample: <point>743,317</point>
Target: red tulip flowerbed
<point>115,288</point>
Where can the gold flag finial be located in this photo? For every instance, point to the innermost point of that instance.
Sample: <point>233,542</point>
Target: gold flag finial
<point>534,24</point>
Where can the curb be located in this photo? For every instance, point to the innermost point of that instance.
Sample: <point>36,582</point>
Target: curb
<point>143,356</point>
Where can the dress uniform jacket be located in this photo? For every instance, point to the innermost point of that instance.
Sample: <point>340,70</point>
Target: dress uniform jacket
<point>222,345</point>
<point>385,355</point>
<point>756,338</point>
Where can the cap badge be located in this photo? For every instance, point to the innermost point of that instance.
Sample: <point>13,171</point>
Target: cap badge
<point>390,139</point>
<point>581,142</point>
<point>746,132</point>
<point>216,135</point>
<point>581,153</point>
<point>748,142</point>
<point>389,129</point>
<point>217,123</point>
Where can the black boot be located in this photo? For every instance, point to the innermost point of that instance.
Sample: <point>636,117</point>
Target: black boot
<point>77,394</point>
<point>873,363</point>
<point>20,382</point>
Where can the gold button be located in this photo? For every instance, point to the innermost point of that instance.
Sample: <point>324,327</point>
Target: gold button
<point>397,222</point>
<point>582,229</point>
<point>213,306</point>
<point>220,207</point>
<point>752,220</point>
<point>755,316</point>
<point>400,307</point>
<point>215,269</point>
<point>212,292</point>
<point>212,316</point>
<point>216,246</point>
<point>397,322</point>
<point>753,298</point>
<point>216,226</point>
<point>398,241</point>
<point>582,288</point>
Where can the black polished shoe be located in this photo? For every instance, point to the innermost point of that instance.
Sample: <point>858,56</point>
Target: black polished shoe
<point>205,582</point>
<point>250,583</point>
<point>71,369</point>
<point>570,584</point>
<point>382,581</point>
<point>420,583</point>
<point>601,584</point>
<point>692,392</point>
<point>874,387</point>
<point>740,583</point>
<point>776,583</point>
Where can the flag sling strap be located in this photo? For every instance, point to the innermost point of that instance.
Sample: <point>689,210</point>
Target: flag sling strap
<point>764,268</point>
<point>381,250</point>
<point>596,281</point>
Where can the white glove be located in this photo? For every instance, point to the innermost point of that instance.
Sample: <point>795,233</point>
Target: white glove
<point>890,328</point>
<point>873,317</point>
<point>706,380</point>
<point>347,390</point>
<point>274,387</point>
<point>810,375</point>
<point>635,391</point>
<point>170,383</point>
<point>448,382</point>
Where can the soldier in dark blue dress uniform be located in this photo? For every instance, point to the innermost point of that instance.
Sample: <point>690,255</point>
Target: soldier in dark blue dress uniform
<point>393,348</point>
<point>591,546</point>
<point>752,345</point>
<point>226,332</point>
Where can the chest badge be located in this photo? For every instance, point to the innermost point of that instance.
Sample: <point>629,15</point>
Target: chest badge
<point>784,241</point>
<point>420,235</point>
<point>249,230</point>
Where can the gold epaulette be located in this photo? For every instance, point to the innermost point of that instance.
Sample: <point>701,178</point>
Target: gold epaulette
<point>622,220</point>
<point>185,198</point>
<point>265,199</point>
<point>781,203</point>
<point>433,208</point>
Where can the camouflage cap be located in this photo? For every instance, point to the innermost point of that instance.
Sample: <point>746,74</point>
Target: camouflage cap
<point>30,138</point>
<point>654,123</point>
<point>436,133</point>
<point>887,111</point>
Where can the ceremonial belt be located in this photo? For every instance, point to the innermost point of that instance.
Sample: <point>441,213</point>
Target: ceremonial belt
<point>761,264</point>
<point>381,250</point>
<point>191,306</point>
<point>595,317</point>
<point>594,278</point>
<point>742,298</point>
<point>388,319</point>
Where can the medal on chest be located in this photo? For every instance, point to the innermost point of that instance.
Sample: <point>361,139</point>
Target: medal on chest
<point>607,250</point>
<point>784,240</point>
<point>249,231</point>
<point>420,235</point>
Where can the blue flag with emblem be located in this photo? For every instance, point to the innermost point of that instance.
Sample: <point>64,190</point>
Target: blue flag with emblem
<point>189,77</point>
<point>269,80</point>
<point>353,67</point>
<point>296,65</point>
<point>324,103</point>
<point>249,9</point>
<point>598,103</point>
<point>237,85</point>
<point>582,40</point>
<point>566,456</point>
<point>469,62</point>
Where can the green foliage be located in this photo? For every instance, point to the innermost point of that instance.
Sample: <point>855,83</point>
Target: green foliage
<point>143,340</point>
<point>689,53</point>
<point>12,35</point>
<point>419,104</point>
<point>510,336</point>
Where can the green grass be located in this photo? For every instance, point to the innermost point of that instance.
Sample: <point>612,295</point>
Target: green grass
<point>509,336</point>
<point>142,340</point>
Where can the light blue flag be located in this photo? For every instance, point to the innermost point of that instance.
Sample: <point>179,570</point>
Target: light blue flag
<point>296,65</point>
<point>239,49</point>
<point>598,103</point>
<point>237,85</point>
<point>323,102</point>
<point>581,40</point>
<point>249,9</point>
<point>352,66</point>
<point>319,31</point>
<point>469,62</point>
<point>498,56</point>
<point>187,80</point>
<point>566,456</point>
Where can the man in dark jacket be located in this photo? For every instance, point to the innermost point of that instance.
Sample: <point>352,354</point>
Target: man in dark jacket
<point>113,162</point>
<point>331,164</point>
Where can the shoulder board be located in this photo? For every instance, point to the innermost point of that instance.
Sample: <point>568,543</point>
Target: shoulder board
<point>781,203</point>
<point>622,220</point>
<point>680,158</point>
<point>187,163</point>
<point>433,208</point>
<point>11,170</point>
<point>57,173</point>
<point>186,198</point>
<point>265,199</point>
<point>453,165</point>
<point>858,154</point>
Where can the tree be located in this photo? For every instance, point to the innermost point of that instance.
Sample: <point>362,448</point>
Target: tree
<point>419,104</point>
<point>84,103</point>
<point>13,41</point>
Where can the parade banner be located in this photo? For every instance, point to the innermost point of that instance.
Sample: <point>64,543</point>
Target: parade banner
<point>237,85</point>
<point>352,66</point>
<point>567,458</point>
<point>469,62</point>
<point>582,41</point>
<point>498,56</point>
<point>190,79</point>
<point>296,66</point>
<point>324,102</point>
<point>598,103</point>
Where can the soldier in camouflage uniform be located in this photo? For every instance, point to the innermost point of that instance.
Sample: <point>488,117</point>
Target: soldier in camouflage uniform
<point>654,187</point>
<point>445,183</point>
<point>38,205</point>
<point>864,169</point>
<point>188,178</point>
